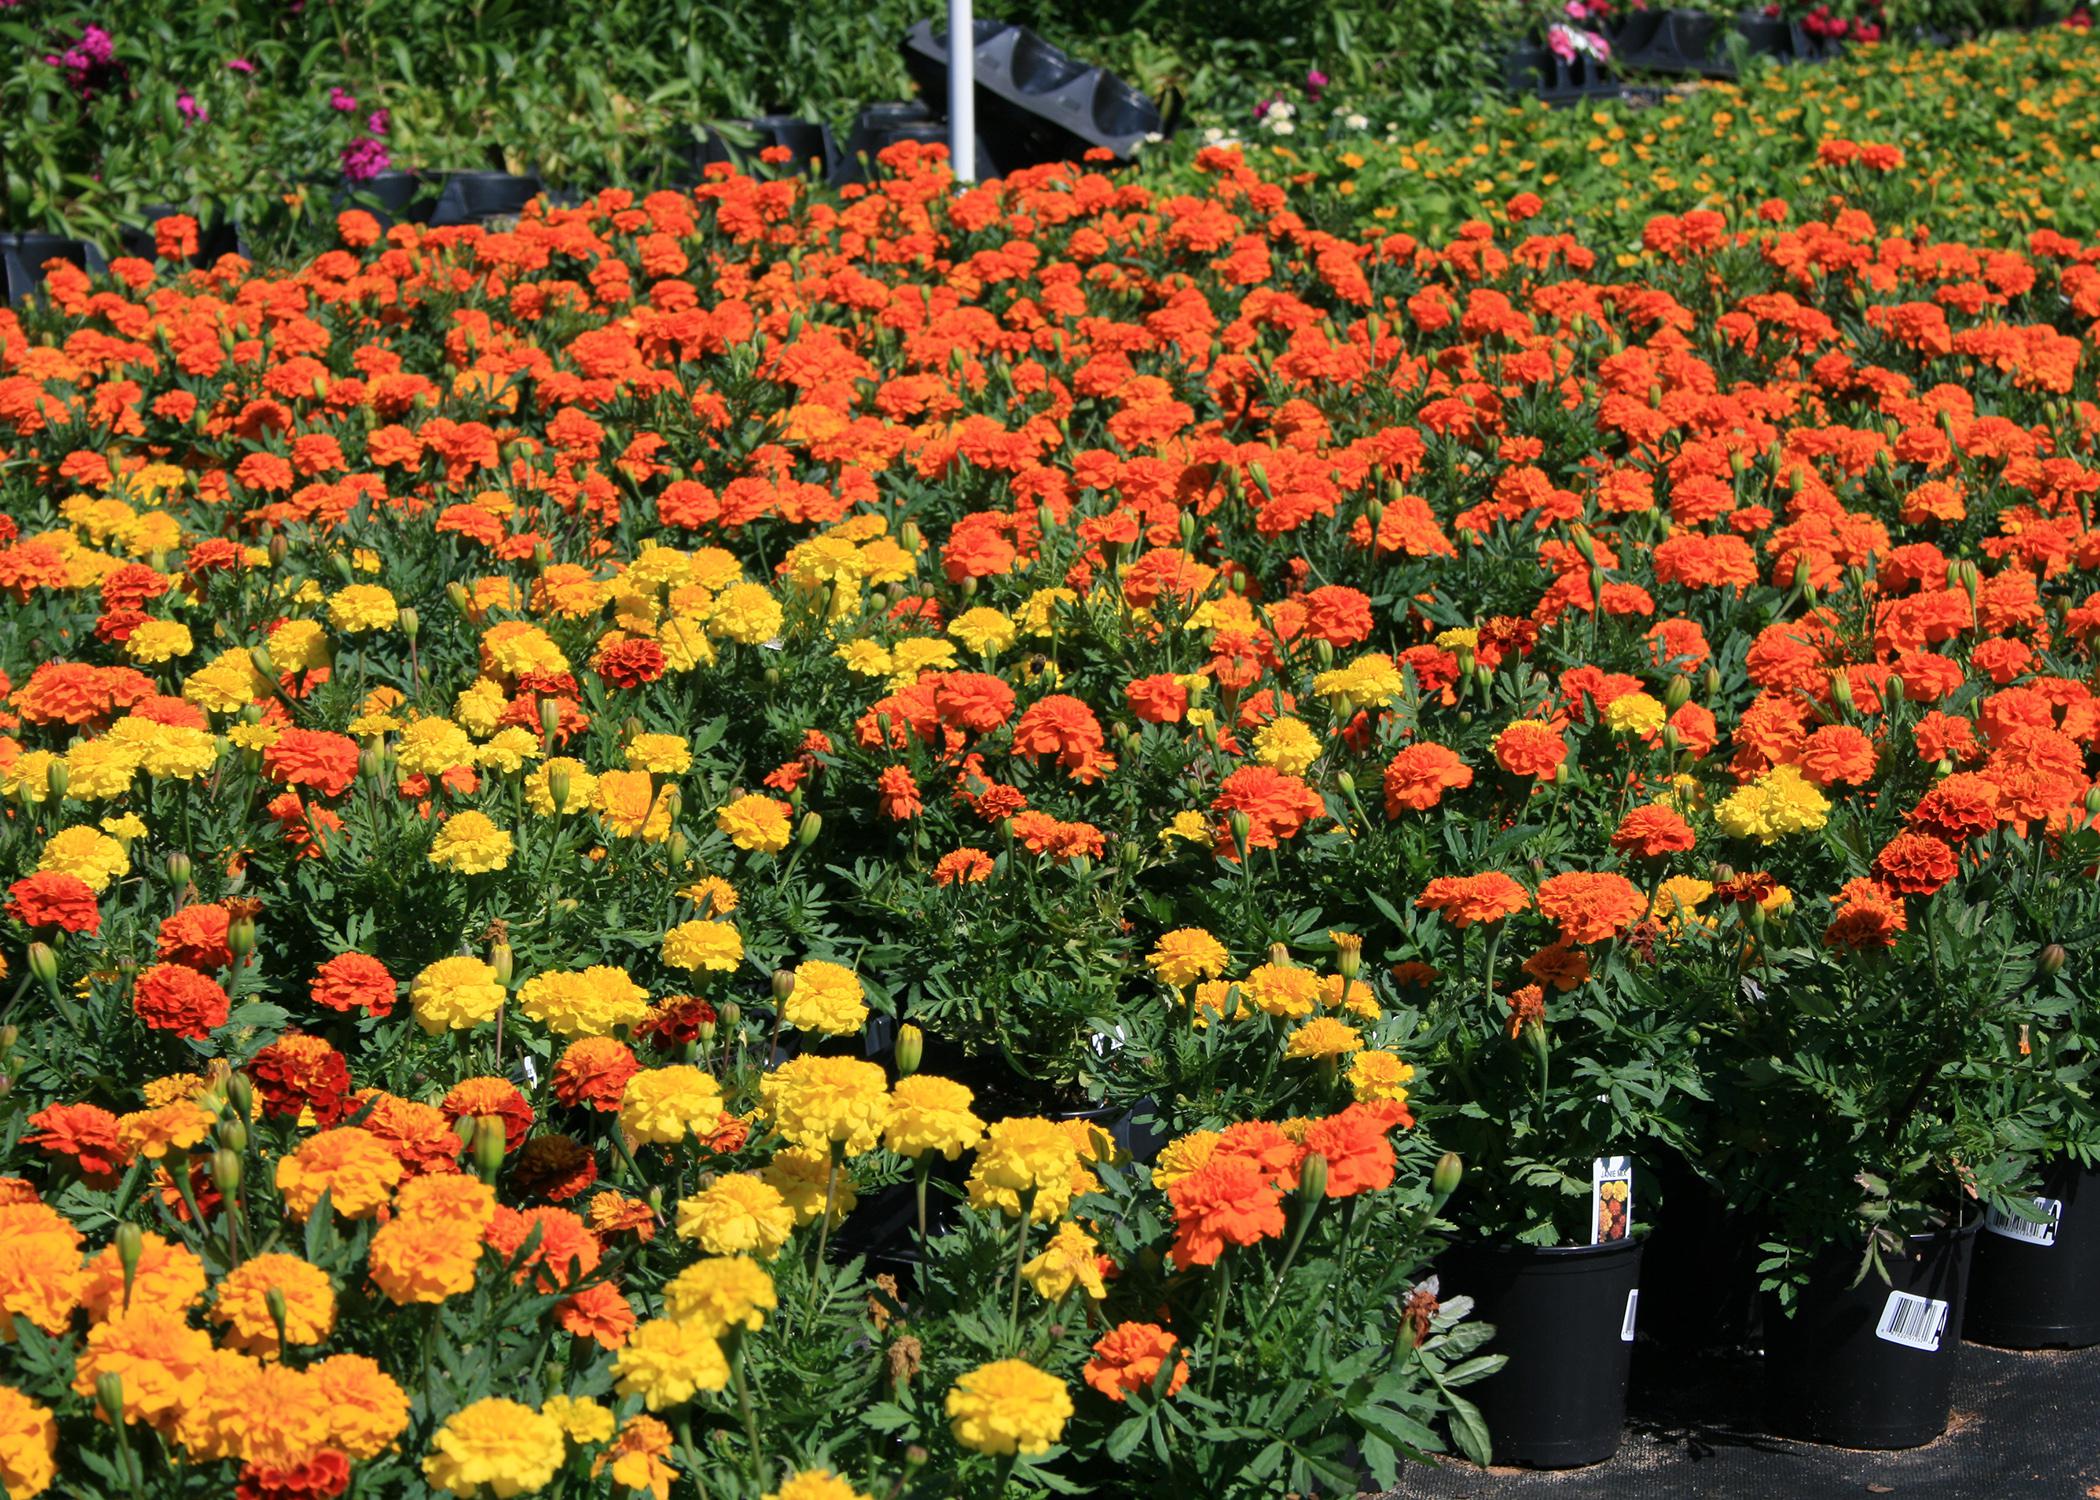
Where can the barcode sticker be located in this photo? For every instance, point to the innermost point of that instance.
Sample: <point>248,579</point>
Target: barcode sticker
<point>1633,1301</point>
<point>2042,1234</point>
<point>1915,1322</point>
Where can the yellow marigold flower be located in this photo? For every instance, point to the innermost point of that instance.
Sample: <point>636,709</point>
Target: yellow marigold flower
<point>514,648</point>
<point>815,1484</point>
<point>431,747</point>
<point>1678,899</point>
<point>539,786</point>
<point>1070,1259</point>
<point>367,1411</point>
<point>667,1363</point>
<point>661,1105</point>
<point>98,770</point>
<point>1323,1036</point>
<point>801,1176</point>
<point>299,646</point>
<point>1287,745</point>
<point>583,1002</point>
<point>227,684</point>
<point>471,844</point>
<point>1189,825</point>
<point>582,1419</point>
<point>40,1275</point>
<point>694,946</point>
<point>508,750</point>
<point>124,827</point>
<point>1635,713</point>
<point>756,823</point>
<point>1376,1076</point>
<point>243,1308</point>
<point>721,1293</point>
<point>1187,954</point>
<point>362,607</point>
<point>827,997</point>
<point>28,1445</point>
<point>633,806</point>
<point>660,754</point>
<point>931,1114</point>
<point>1283,990</point>
<point>455,993</point>
<point>1778,803</point>
<point>714,896</point>
<point>1008,1406</point>
<point>93,856</point>
<point>1372,680</point>
<point>818,1102</point>
<point>496,1447</point>
<point>984,630</point>
<point>351,1165</point>
<point>1182,1156</point>
<point>173,1089</point>
<point>158,641</point>
<point>1024,1158</point>
<point>167,752</point>
<point>747,613</point>
<point>152,1133</point>
<point>737,1214</point>
<point>28,775</point>
<point>272,1415</point>
<point>257,737</point>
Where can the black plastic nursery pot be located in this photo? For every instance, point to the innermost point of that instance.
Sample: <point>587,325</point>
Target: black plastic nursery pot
<point>1872,1365</point>
<point>2037,1286</point>
<point>24,256</point>
<point>474,197</point>
<point>394,197</point>
<point>215,237</point>
<point>810,141</point>
<point>1565,1318</point>
<point>1671,41</point>
<point>1699,1276</point>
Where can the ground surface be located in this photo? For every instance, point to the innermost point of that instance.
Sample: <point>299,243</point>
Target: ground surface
<point>2024,1424</point>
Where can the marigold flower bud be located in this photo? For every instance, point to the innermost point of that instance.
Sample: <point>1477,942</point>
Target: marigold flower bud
<point>910,1051</point>
<point>43,963</point>
<point>1678,693</point>
<point>178,869</point>
<point>411,624</point>
<point>240,937</point>
<point>1449,1169</point>
<point>2051,959</point>
<point>1312,1179</point>
<point>812,825</point>
<point>57,778</point>
<point>226,1172</point>
<point>241,1095</point>
<point>130,1244</point>
<point>109,1395</point>
<point>231,1133</point>
<point>503,961</point>
<point>783,985</point>
<point>264,664</point>
<point>488,1146</point>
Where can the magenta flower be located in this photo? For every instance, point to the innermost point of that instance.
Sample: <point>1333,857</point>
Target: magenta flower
<point>365,158</point>
<point>239,65</point>
<point>191,111</point>
<point>342,101</point>
<point>1314,82</point>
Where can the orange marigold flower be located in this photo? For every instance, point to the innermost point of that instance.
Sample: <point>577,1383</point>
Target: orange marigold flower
<point>1531,747</point>
<point>1418,776</point>
<point>1463,900</point>
<point>1129,1358</point>
<point>1589,905</point>
<point>1221,1203</point>
<point>1652,832</point>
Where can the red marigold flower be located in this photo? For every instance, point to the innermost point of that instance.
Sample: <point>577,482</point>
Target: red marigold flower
<point>554,1167</point>
<point>1526,1006</point>
<point>1064,728</point>
<point>630,663</point>
<point>1463,900</point>
<point>1838,754</point>
<point>1418,776</point>
<point>491,1096</point>
<point>593,1073</point>
<point>1359,1157</point>
<point>1959,808</point>
<point>312,758</point>
<point>1277,806</point>
<point>297,1073</point>
<point>197,936</point>
<point>897,795</point>
<point>1265,1148</point>
<point>1915,864</point>
<point>599,1313</point>
<point>323,1476</point>
<point>171,997</point>
<point>1589,905</point>
<point>87,1133</point>
<point>1869,916</point>
<point>962,867</point>
<point>1129,1358</point>
<point>566,1253</point>
<point>1222,1203</point>
<point>1652,832</point>
<point>52,898</point>
<point>1530,747</point>
<point>354,981</point>
<point>1158,699</point>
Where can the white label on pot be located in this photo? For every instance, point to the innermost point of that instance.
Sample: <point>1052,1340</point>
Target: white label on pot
<point>1915,1322</point>
<point>1633,1301</point>
<point>1611,1199</point>
<point>529,1072</point>
<point>2042,1234</point>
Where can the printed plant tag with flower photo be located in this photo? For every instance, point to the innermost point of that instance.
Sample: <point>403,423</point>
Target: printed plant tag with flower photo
<point>1611,1199</point>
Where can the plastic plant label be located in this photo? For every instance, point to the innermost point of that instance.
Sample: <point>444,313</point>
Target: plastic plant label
<point>529,1072</point>
<point>1611,1199</point>
<point>1914,1322</point>
<point>2042,1234</point>
<point>1633,1302</point>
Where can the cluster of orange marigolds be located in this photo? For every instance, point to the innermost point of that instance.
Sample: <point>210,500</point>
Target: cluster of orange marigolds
<point>659,438</point>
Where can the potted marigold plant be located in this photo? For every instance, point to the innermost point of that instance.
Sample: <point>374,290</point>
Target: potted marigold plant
<point>1551,1080</point>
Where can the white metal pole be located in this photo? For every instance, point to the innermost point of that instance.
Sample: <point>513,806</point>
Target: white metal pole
<point>962,90</point>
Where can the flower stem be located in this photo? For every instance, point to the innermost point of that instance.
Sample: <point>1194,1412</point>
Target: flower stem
<point>1013,1312</point>
<point>1217,1318</point>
